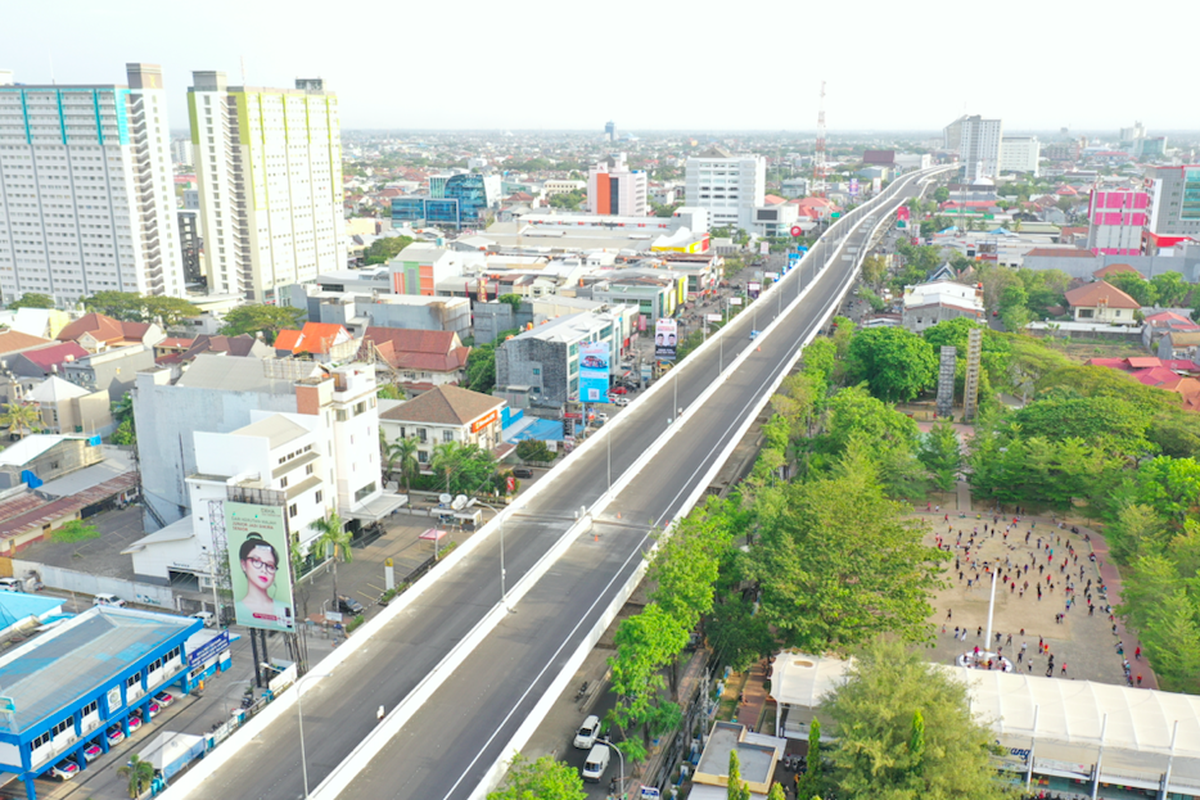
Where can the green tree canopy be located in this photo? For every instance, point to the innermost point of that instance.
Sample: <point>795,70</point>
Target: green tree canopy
<point>31,300</point>
<point>941,453</point>
<point>465,468</point>
<point>270,320</point>
<point>1172,290</point>
<point>544,779</point>
<point>905,732</point>
<point>134,307</point>
<point>896,363</point>
<point>384,250</point>
<point>838,563</point>
<point>1137,287</point>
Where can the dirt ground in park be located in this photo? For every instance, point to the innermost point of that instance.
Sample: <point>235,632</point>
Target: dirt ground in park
<point>1087,645</point>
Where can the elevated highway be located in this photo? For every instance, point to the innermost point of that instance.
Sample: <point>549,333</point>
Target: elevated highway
<point>466,680</point>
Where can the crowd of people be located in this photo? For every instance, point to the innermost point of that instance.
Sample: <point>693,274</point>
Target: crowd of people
<point>1042,568</point>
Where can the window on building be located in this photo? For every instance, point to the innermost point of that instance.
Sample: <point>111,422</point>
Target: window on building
<point>447,436</point>
<point>283,482</point>
<point>134,680</point>
<point>364,491</point>
<point>44,739</point>
<point>422,457</point>
<point>293,510</point>
<point>318,497</point>
<point>342,415</point>
<point>90,708</point>
<point>422,435</point>
<point>308,469</point>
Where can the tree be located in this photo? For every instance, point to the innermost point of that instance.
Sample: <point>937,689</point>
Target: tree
<point>809,784</point>
<point>735,787</point>
<point>403,453</point>
<point>384,250</point>
<point>941,194</point>
<point>140,774</point>
<point>170,311</point>
<point>21,418</point>
<point>941,454</point>
<point>881,753</point>
<point>389,391</point>
<point>333,542</point>
<point>466,467</point>
<point>1014,306</point>
<point>544,779</point>
<point>645,643</point>
<point>270,320</point>
<point>838,563</point>
<point>896,363</point>
<point>481,368</point>
<point>569,200</point>
<point>1172,289</point>
<point>31,300</point>
<point>875,269</point>
<point>534,450</point>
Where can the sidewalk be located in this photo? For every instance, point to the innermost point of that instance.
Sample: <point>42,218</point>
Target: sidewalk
<point>754,697</point>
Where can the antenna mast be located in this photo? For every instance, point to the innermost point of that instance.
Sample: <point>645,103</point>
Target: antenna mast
<point>819,152</point>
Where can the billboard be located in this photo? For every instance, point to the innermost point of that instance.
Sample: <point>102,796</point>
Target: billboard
<point>593,372</point>
<point>753,288</point>
<point>259,566</point>
<point>666,339</point>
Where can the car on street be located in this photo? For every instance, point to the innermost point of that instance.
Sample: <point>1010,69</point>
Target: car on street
<point>621,401</point>
<point>115,734</point>
<point>153,708</point>
<point>92,751</point>
<point>105,599</point>
<point>164,698</point>
<point>348,605</point>
<point>12,585</point>
<point>525,473</point>
<point>596,763</point>
<point>206,617</point>
<point>135,722</point>
<point>753,335</point>
<point>618,390</point>
<point>589,731</point>
<point>65,769</point>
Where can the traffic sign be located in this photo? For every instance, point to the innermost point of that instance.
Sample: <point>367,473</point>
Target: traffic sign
<point>797,231</point>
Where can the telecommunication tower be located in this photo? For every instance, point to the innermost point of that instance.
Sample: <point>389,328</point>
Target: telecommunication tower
<point>819,151</point>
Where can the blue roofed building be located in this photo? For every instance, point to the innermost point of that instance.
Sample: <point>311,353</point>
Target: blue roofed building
<point>462,201</point>
<point>61,690</point>
<point>20,610</point>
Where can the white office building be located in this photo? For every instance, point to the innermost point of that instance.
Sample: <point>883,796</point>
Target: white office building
<point>729,187</point>
<point>1020,154</point>
<point>182,152</point>
<point>269,167</point>
<point>979,148</point>
<point>87,198</point>
<point>615,189</point>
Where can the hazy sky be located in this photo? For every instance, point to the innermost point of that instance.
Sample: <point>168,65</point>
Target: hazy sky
<point>647,64</point>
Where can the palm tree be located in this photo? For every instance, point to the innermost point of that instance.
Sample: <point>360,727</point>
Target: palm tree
<point>140,774</point>
<point>20,418</point>
<point>402,454</point>
<point>334,542</point>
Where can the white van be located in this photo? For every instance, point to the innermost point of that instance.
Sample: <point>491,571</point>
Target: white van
<point>596,764</point>
<point>12,585</point>
<point>105,599</point>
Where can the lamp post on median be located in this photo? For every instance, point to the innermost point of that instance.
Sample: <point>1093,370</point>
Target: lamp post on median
<point>503,573</point>
<point>300,718</point>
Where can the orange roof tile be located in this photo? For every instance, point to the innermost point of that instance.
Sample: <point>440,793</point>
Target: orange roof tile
<point>1092,295</point>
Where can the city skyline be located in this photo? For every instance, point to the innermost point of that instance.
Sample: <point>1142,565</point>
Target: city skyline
<point>382,85</point>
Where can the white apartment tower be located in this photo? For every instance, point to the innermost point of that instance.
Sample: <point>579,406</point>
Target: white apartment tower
<point>728,187</point>
<point>1020,154</point>
<point>979,148</point>
<point>269,167</point>
<point>87,196</point>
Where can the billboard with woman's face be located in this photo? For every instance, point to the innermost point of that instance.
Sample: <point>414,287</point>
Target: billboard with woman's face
<point>259,567</point>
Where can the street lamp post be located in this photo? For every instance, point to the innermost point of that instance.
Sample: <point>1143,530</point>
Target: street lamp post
<point>300,718</point>
<point>503,572</point>
<point>621,762</point>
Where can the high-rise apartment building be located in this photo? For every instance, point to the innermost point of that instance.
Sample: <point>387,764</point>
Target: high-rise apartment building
<point>615,189</point>
<point>1174,200</point>
<point>269,167</point>
<point>728,187</point>
<point>1020,154</point>
<point>182,152</point>
<point>979,148</point>
<point>87,196</point>
<point>610,131</point>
